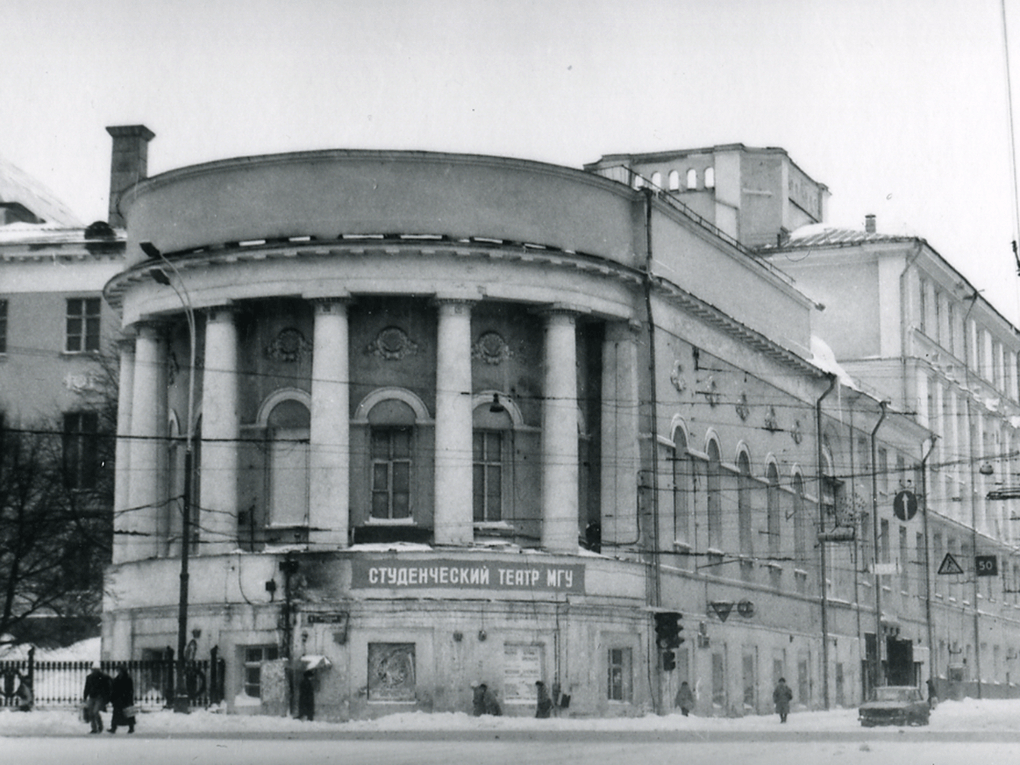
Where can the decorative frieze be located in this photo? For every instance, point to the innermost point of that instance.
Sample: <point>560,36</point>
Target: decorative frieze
<point>392,344</point>
<point>491,348</point>
<point>289,347</point>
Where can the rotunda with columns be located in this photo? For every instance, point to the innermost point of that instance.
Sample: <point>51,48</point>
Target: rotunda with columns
<point>415,392</point>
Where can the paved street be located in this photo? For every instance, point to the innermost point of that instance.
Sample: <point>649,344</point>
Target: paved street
<point>442,748</point>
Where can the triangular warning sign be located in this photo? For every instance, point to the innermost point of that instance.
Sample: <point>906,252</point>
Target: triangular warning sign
<point>722,608</point>
<point>949,565</point>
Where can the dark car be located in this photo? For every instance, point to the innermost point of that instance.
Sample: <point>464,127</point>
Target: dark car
<point>895,705</point>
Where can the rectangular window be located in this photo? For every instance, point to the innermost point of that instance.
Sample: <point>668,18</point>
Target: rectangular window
<point>391,672</point>
<point>488,475</point>
<point>254,657</point>
<point>803,680</point>
<point>922,308</point>
<point>391,473</point>
<point>750,682</point>
<point>80,447</point>
<point>3,326</point>
<point>621,673</point>
<point>82,325</point>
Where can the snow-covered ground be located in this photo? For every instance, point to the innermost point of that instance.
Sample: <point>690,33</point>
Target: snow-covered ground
<point>969,715</point>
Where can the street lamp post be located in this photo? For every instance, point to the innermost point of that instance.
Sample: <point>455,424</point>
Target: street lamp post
<point>181,698</point>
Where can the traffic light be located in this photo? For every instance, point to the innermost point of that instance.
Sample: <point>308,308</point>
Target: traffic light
<point>668,629</point>
<point>668,661</point>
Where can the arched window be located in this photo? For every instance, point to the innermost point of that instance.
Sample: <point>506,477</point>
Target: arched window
<point>744,486</point>
<point>287,430</point>
<point>657,180</point>
<point>800,531</point>
<point>709,177</point>
<point>692,179</point>
<point>682,482</point>
<point>713,490</point>
<point>391,453</point>
<point>674,180</point>
<point>492,452</point>
<point>773,510</point>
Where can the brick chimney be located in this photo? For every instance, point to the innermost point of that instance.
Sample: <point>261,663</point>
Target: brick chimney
<point>129,164</point>
<point>869,224</point>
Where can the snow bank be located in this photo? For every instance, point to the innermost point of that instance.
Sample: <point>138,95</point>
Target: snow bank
<point>966,715</point>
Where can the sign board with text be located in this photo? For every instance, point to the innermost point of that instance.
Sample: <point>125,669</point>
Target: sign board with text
<point>449,573</point>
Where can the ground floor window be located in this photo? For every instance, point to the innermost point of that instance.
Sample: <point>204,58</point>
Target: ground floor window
<point>803,680</point>
<point>391,672</point>
<point>621,673</point>
<point>254,657</point>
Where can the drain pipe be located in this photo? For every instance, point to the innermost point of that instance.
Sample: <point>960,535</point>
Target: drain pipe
<point>656,594</point>
<point>878,674</point>
<point>932,669</point>
<point>821,542</point>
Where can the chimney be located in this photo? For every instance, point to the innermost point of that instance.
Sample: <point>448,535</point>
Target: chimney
<point>129,164</point>
<point>869,224</point>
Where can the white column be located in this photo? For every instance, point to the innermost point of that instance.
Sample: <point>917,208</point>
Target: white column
<point>329,493</point>
<point>122,458</point>
<point>620,433</point>
<point>559,435</point>
<point>137,521</point>
<point>216,518</point>
<point>454,520</point>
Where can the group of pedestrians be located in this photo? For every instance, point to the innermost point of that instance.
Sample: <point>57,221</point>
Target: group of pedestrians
<point>781,697</point>
<point>119,692</point>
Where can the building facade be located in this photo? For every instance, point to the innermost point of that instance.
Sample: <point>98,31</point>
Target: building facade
<point>455,419</point>
<point>913,330</point>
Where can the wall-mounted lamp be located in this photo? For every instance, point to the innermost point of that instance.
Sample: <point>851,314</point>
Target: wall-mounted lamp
<point>495,407</point>
<point>482,635</point>
<point>986,468</point>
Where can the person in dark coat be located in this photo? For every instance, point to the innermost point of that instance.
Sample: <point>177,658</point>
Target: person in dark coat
<point>781,697</point>
<point>544,702</point>
<point>122,696</point>
<point>24,694</point>
<point>490,704</point>
<point>478,699</point>
<point>306,697</point>
<point>96,695</point>
<point>685,698</point>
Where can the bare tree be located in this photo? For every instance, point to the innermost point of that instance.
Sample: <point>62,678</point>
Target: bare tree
<point>56,520</point>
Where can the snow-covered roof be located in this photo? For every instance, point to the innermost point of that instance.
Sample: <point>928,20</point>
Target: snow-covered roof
<point>827,235</point>
<point>17,186</point>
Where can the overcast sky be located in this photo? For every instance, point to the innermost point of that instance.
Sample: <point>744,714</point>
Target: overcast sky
<point>899,106</point>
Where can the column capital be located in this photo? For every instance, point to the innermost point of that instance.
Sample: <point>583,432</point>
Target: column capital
<point>330,305</point>
<point>456,301</point>
<point>567,310</point>
<point>221,312</point>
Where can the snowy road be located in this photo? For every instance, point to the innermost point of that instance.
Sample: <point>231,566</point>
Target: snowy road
<point>240,751</point>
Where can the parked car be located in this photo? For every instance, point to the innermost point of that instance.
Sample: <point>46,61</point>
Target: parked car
<point>895,705</point>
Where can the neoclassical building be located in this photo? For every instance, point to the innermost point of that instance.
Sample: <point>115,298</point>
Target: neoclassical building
<point>457,419</point>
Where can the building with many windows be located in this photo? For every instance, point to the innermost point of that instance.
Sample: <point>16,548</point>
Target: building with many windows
<point>912,329</point>
<point>455,419</point>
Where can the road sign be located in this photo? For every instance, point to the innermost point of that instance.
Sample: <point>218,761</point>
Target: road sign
<point>949,565</point>
<point>905,505</point>
<point>722,608</point>
<point>986,565</point>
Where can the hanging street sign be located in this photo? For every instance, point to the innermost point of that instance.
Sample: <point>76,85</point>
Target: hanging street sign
<point>949,565</point>
<point>722,608</point>
<point>905,505</point>
<point>986,565</point>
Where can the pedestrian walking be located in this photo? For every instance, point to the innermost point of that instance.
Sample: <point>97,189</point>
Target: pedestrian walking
<point>24,695</point>
<point>544,702</point>
<point>306,697</point>
<point>96,695</point>
<point>490,703</point>
<point>782,696</point>
<point>122,699</point>
<point>684,698</point>
<point>933,698</point>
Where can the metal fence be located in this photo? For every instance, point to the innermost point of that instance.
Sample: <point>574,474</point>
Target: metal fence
<point>57,684</point>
